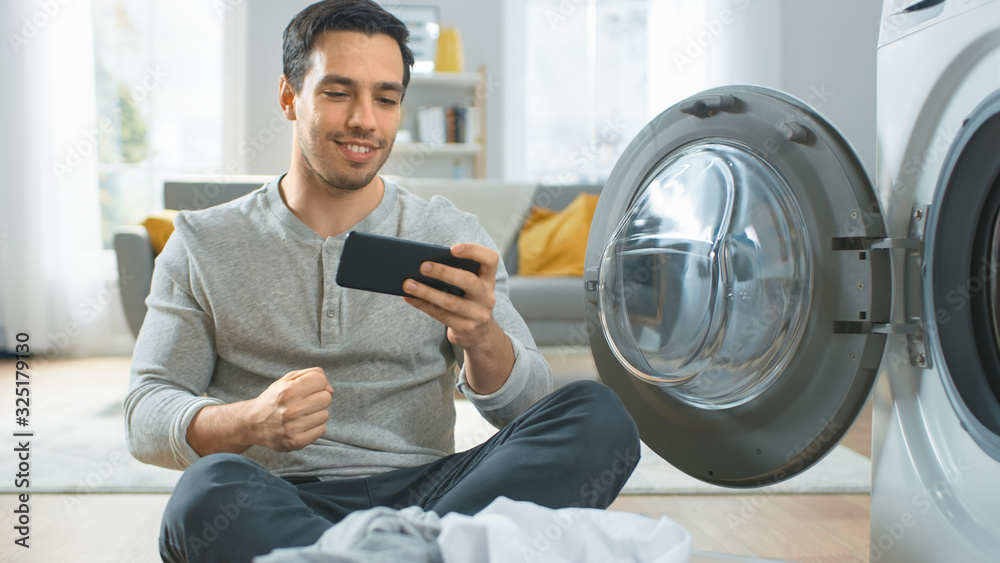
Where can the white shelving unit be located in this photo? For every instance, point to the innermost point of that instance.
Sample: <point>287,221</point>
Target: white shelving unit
<point>418,159</point>
<point>443,149</point>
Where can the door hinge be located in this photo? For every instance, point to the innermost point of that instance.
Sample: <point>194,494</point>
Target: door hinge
<point>916,352</point>
<point>867,243</point>
<point>916,349</point>
<point>890,243</point>
<point>890,328</point>
<point>913,241</point>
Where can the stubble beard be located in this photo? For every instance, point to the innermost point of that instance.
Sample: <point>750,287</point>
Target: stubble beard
<point>360,174</point>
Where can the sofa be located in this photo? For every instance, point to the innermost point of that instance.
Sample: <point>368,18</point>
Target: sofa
<point>552,307</point>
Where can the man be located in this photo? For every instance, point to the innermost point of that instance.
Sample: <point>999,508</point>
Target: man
<point>244,302</point>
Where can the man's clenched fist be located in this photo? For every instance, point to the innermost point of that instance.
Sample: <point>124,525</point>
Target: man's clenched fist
<point>291,413</point>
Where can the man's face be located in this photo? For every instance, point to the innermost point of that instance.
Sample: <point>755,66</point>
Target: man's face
<point>348,111</point>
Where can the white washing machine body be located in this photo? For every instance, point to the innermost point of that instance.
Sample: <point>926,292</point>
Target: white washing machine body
<point>936,454</point>
<point>746,284</point>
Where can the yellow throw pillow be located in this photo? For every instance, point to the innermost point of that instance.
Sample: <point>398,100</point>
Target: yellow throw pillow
<point>160,228</point>
<point>555,243</point>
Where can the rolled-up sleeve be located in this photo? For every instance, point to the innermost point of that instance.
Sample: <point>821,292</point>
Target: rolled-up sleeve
<point>530,379</point>
<point>172,363</point>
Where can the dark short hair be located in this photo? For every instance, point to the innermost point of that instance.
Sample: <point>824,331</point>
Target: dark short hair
<point>363,16</point>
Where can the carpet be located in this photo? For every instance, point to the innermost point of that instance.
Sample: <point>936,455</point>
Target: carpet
<point>78,446</point>
<point>842,471</point>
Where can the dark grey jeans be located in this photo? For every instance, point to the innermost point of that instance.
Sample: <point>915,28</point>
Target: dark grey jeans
<point>575,447</point>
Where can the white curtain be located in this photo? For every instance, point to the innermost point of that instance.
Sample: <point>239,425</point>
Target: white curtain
<point>691,45</point>
<point>710,43</point>
<point>57,284</point>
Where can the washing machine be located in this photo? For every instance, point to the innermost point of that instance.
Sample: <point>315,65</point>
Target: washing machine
<point>936,425</point>
<point>746,285</point>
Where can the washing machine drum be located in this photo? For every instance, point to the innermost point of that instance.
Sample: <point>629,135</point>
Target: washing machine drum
<point>734,301</point>
<point>702,291</point>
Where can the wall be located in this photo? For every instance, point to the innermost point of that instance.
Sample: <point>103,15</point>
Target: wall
<point>829,61</point>
<point>820,52</point>
<point>266,136</point>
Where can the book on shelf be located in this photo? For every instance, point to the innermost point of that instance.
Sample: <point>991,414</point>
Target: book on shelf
<point>430,124</point>
<point>452,124</point>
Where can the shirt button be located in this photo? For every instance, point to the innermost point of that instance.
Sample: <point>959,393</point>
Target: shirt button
<point>329,249</point>
<point>329,313</point>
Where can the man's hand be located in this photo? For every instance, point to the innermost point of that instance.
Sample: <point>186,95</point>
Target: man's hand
<point>489,355</point>
<point>291,413</point>
<point>470,318</point>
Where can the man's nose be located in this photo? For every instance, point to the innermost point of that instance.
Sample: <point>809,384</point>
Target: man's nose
<point>362,115</point>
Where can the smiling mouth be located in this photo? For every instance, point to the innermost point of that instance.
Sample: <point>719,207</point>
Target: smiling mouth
<point>358,148</point>
<point>359,151</point>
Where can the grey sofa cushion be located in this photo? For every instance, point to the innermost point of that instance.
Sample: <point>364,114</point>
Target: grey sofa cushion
<point>547,298</point>
<point>135,267</point>
<point>552,307</point>
<point>205,192</point>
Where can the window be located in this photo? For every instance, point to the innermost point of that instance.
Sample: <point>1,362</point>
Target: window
<point>158,66</point>
<point>586,75</point>
<point>586,86</point>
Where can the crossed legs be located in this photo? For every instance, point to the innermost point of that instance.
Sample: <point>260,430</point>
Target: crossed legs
<point>574,447</point>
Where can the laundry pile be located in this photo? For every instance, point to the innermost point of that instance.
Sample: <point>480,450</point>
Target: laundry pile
<point>506,531</point>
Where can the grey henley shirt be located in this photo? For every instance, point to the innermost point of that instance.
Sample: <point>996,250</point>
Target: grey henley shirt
<point>244,293</point>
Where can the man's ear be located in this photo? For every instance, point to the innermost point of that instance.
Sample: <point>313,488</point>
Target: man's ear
<point>286,97</point>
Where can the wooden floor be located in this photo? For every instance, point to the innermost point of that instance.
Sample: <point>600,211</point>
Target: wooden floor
<point>805,528</point>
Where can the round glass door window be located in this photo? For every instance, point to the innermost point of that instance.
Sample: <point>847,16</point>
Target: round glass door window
<point>705,284</point>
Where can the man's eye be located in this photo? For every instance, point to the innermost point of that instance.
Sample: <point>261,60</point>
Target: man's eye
<point>389,101</point>
<point>335,94</point>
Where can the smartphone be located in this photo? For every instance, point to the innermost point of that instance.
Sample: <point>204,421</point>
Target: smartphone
<point>381,264</point>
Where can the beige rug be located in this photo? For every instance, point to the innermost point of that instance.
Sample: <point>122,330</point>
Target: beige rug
<point>78,443</point>
<point>842,471</point>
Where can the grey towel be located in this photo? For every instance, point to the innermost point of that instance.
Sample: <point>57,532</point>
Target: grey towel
<point>377,535</point>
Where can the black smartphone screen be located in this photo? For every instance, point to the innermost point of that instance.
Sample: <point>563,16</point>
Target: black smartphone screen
<point>381,264</point>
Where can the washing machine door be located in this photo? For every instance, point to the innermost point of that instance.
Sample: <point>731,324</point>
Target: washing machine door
<point>734,300</point>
